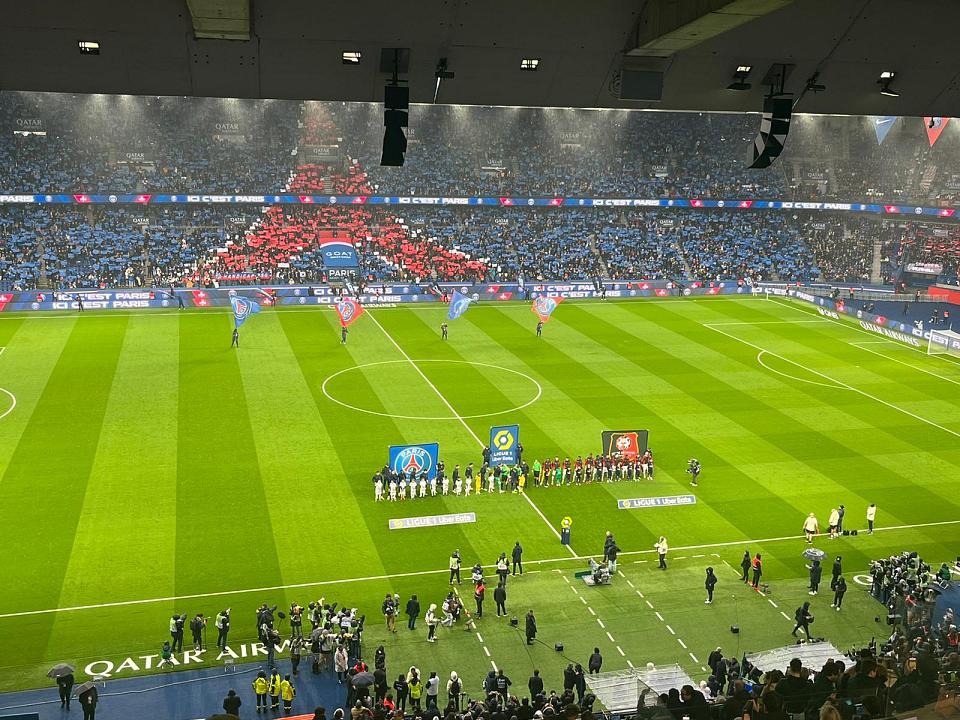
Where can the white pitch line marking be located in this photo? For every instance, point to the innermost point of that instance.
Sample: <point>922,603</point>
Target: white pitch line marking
<point>622,653</point>
<point>600,623</point>
<point>575,591</point>
<point>659,616</point>
<point>566,579</point>
<point>772,322</point>
<point>840,382</point>
<point>772,603</point>
<point>785,615</point>
<point>495,668</point>
<point>415,573</point>
<point>463,422</point>
<point>479,637</point>
<point>629,664</point>
<point>672,632</point>
<point>611,637</point>
<point>680,557</point>
<point>620,573</point>
<point>699,556</point>
<point>591,611</point>
<point>682,643</point>
<point>648,604</point>
<point>694,658</point>
<point>486,651</point>
<point>583,600</point>
<point>630,584</point>
<point>909,365</point>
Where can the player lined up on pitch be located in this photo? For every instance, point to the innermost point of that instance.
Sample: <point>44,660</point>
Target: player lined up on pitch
<point>396,486</point>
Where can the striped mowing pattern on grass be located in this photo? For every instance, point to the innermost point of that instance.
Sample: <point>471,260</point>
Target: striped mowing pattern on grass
<point>145,458</point>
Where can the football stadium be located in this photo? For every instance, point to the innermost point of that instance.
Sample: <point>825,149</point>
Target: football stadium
<point>618,384</point>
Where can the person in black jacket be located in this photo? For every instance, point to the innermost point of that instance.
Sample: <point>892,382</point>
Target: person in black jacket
<point>531,628</point>
<point>580,682</point>
<point>803,618</point>
<point>65,686</point>
<point>709,584</point>
<point>595,662</point>
<point>517,556</point>
<point>413,612</point>
<point>500,598</point>
<point>745,565</point>
<point>569,677</point>
<point>837,572</point>
<point>839,590</point>
<point>401,689</point>
<point>815,572</point>
<point>232,703</point>
<point>535,684</point>
<point>88,701</point>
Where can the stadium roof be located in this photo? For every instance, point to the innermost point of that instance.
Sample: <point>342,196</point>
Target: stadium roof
<point>293,50</point>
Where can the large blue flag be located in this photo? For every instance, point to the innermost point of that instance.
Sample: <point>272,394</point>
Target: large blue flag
<point>242,309</point>
<point>883,124</point>
<point>458,305</point>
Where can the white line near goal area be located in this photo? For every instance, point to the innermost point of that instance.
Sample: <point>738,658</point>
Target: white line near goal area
<point>444,571</point>
<point>463,422</point>
<point>860,345</point>
<point>844,385</point>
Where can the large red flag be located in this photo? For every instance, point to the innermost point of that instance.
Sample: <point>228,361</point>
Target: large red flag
<point>935,126</point>
<point>349,310</point>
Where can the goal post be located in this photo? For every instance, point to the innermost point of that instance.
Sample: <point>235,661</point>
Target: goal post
<point>944,342</point>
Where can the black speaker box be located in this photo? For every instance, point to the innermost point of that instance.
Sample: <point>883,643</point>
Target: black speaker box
<point>735,629</point>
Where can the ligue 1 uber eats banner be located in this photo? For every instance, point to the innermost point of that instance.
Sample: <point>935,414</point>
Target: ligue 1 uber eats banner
<point>504,445</point>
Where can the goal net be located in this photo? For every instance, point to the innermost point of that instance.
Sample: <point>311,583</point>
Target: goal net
<point>944,342</point>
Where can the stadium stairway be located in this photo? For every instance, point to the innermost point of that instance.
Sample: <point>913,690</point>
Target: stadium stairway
<point>183,695</point>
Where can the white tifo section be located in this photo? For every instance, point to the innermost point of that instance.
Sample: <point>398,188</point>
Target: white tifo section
<point>942,342</point>
<point>459,417</point>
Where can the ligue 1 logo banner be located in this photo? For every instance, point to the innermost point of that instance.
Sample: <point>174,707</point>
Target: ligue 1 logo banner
<point>629,444</point>
<point>415,459</point>
<point>504,442</point>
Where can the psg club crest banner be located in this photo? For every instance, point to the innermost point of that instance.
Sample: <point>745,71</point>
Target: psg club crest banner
<point>934,126</point>
<point>338,253</point>
<point>629,444</point>
<point>544,306</point>
<point>459,303</point>
<point>416,459</point>
<point>504,445</point>
<point>349,310</point>
<point>242,309</point>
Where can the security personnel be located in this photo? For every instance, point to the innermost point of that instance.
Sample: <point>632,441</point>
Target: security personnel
<point>275,690</point>
<point>260,687</point>
<point>288,692</point>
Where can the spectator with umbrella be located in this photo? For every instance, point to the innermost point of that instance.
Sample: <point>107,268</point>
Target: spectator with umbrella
<point>88,697</point>
<point>63,674</point>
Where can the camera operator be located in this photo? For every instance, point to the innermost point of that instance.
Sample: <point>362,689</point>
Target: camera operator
<point>693,469</point>
<point>222,624</point>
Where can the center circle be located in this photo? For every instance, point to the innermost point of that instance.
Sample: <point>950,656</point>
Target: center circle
<point>453,416</point>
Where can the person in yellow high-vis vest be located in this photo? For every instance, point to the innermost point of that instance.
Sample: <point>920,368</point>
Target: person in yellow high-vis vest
<point>288,692</point>
<point>260,687</point>
<point>275,690</point>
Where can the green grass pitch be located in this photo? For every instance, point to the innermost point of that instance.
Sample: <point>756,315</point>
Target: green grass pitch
<point>145,461</point>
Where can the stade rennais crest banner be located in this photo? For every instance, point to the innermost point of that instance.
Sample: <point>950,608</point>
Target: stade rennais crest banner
<point>338,253</point>
<point>242,309</point>
<point>504,445</point>
<point>624,443</point>
<point>543,306</point>
<point>349,310</point>
<point>416,459</point>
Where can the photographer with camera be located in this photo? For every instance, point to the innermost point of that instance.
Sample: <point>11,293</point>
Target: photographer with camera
<point>693,469</point>
<point>222,624</point>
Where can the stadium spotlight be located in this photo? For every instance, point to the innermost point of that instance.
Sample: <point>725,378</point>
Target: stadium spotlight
<point>351,57</point>
<point>739,78</point>
<point>89,47</point>
<point>886,78</point>
<point>530,64</point>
